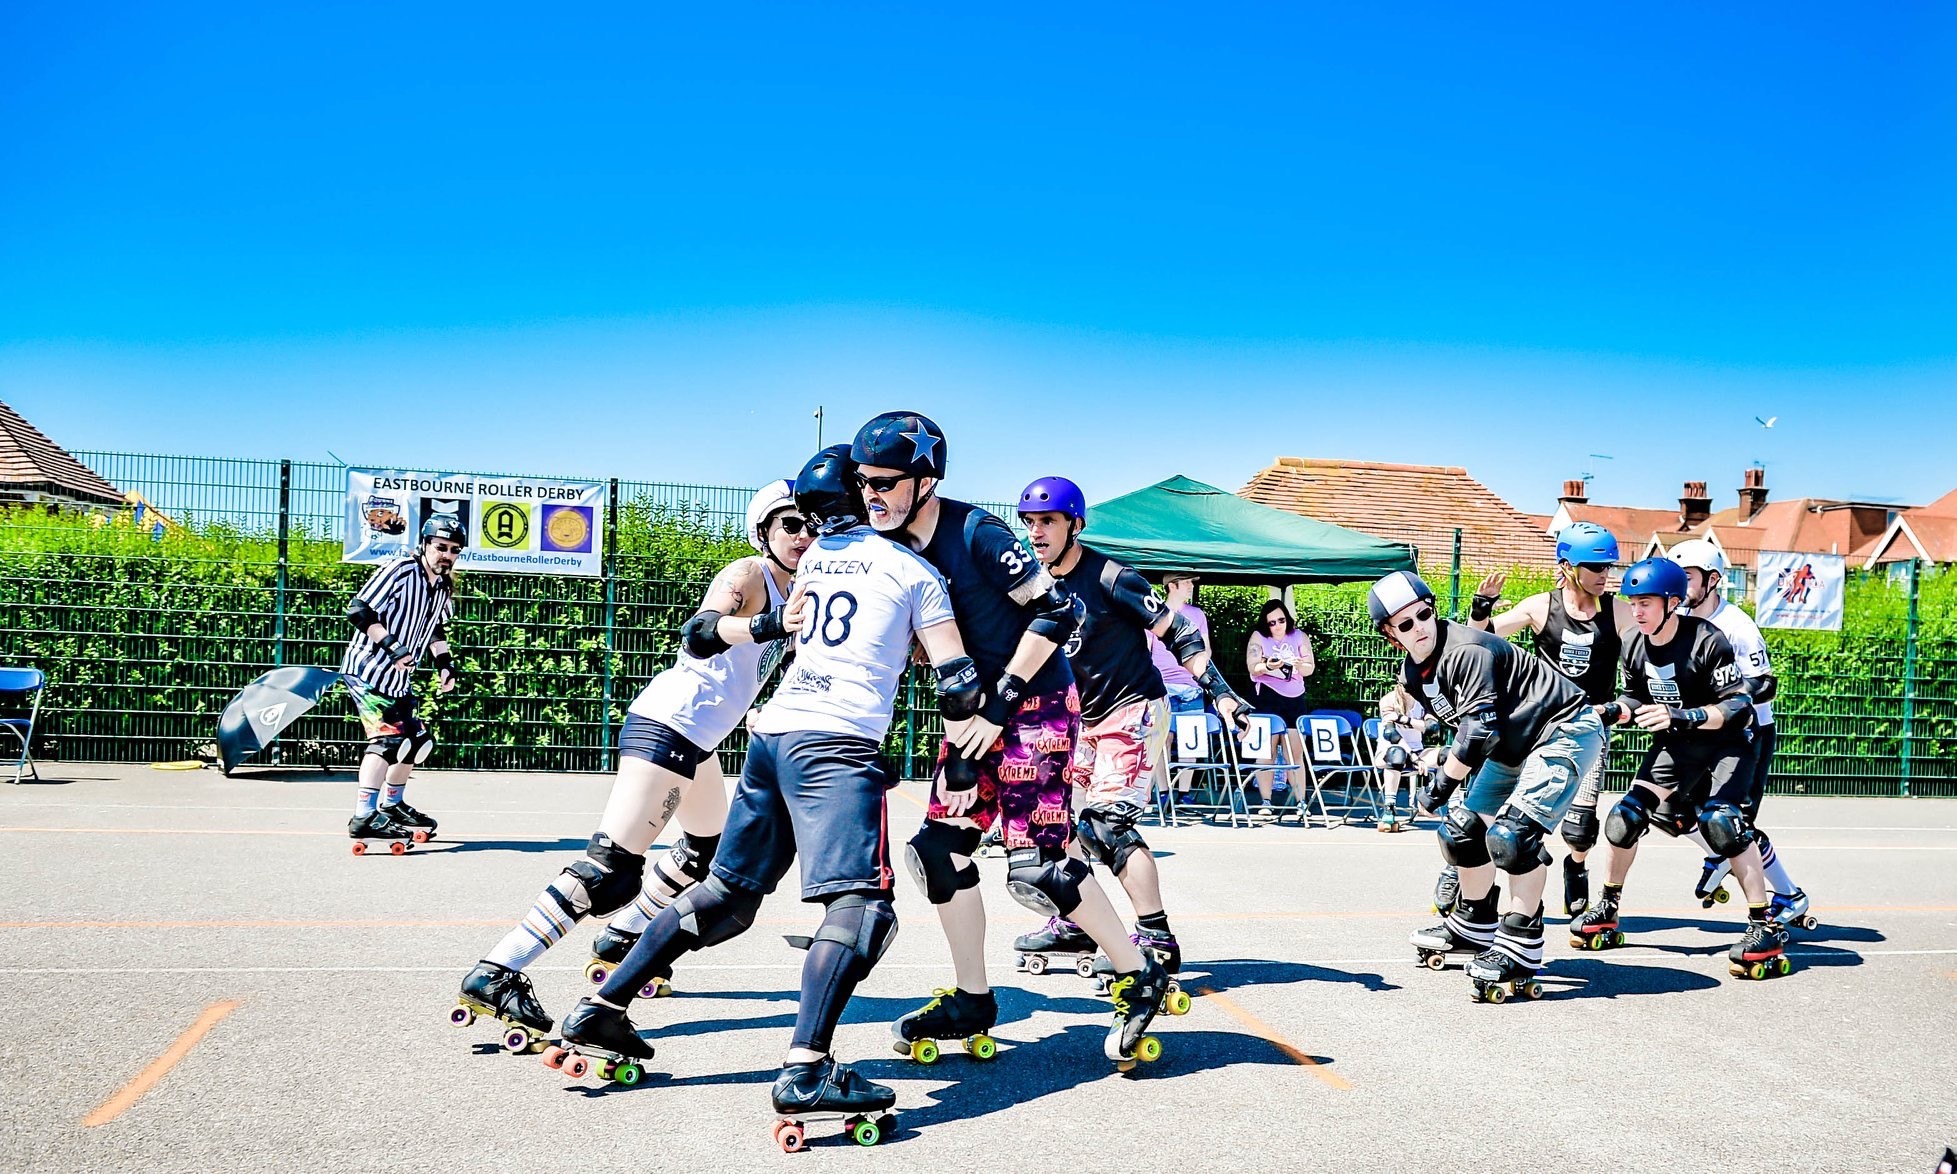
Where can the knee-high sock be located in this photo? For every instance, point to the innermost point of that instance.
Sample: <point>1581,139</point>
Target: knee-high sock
<point>665,941</point>
<point>560,906</point>
<point>1776,871</point>
<point>634,918</point>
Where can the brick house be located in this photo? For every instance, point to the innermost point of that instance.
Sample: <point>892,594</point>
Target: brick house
<point>36,470</point>
<point>1926,532</point>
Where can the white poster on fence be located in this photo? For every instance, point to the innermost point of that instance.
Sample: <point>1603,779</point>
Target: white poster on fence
<point>1799,590</point>
<point>523,524</point>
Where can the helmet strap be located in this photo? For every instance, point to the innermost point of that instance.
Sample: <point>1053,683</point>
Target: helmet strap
<point>918,497</point>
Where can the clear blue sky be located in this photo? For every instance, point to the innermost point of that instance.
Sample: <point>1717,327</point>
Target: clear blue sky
<point>1115,242</point>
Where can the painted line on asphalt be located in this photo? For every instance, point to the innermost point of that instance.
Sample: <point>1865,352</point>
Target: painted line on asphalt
<point>160,1067</point>
<point>1270,1035</point>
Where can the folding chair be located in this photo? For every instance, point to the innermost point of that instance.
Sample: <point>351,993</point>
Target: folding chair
<point>1198,747</point>
<point>1259,745</point>
<point>1334,753</point>
<point>29,684</point>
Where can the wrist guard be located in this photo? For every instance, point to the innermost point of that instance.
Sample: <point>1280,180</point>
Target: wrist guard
<point>1687,719</point>
<point>391,648</point>
<point>767,626</point>
<point>1003,701</point>
<point>961,773</point>
<point>1481,607</point>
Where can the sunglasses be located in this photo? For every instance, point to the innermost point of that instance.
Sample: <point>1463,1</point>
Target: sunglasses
<point>1594,568</point>
<point>1417,618</point>
<point>440,547</point>
<point>792,525</point>
<point>879,484</point>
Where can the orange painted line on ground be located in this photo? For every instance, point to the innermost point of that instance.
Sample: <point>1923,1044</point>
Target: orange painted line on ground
<point>176,832</point>
<point>907,797</point>
<point>1269,1035</point>
<point>145,1080</point>
<point>296,923</point>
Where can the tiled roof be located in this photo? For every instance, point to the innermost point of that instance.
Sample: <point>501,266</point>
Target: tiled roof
<point>1927,532</point>
<point>1631,525</point>
<point>30,461</point>
<point>1805,524</point>
<point>1421,504</point>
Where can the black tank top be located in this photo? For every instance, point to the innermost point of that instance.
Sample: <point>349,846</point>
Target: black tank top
<point>1585,651</point>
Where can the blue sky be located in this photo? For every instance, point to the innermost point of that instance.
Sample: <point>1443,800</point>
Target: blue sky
<point>1115,242</point>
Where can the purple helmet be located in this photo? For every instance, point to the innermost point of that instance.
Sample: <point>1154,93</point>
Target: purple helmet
<point>1056,494</point>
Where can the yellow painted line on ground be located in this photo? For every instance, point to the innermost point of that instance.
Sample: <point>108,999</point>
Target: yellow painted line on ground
<point>176,832</point>
<point>907,797</point>
<point>1270,1035</point>
<point>145,1080</point>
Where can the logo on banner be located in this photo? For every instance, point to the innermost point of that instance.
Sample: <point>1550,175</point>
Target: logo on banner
<point>457,508</point>
<point>567,529</point>
<point>505,526</point>
<point>384,515</point>
<point>1795,584</point>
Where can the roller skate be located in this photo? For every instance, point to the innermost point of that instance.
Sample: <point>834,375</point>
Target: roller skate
<point>1576,886</point>
<point>1791,909</point>
<point>951,1014</point>
<point>1137,996</point>
<point>1447,890</point>
<point>993,843</point>
<point>505,994</point>
<point>1165,950</point>
<point>826,1090</point>
<point>1597,928</point>
<point>1509,966</point>
<point>599,1039</point>
<point>420,827</point>
<point>608,949</point>
<point>1390,821</point>
<point>1465,931</point>
<point>1061,938</point>
<point>1711,886</point>
<point>1762,952</point>
<point>376,831</point>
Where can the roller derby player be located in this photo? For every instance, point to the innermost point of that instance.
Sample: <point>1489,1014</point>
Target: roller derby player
<point>1681,682</point>
<point>400,614</point>
<point>666,766</point>
<point>813,784</point>
<point>1705,573</point>
<point>1579,629</point>
<point>1014,619</point>
<point>1118,685</point>
<point>1526,735</point>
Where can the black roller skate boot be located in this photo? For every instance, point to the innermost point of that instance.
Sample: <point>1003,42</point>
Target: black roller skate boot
<point>825,1089</point>
<point>1163,946</point>
<point>1137,996</point>
<point>609,949</point>
<point>505,994</point>
<point>1447,890</point>
<point>1597,928</point>
<point>951,1014</point>
<point>1464,931</point>
<point>1712,878</point>
<point>1576,886</point>
<point>376,831</point>
<point>602,1040</point>
<point>1762,951</point>
<point>1058,938</point>
<point>420,826</point>
<point>1509,966</point>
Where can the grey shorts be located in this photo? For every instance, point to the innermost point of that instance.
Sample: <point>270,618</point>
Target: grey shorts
<point>1546,784</point>
<point>1591,790</point>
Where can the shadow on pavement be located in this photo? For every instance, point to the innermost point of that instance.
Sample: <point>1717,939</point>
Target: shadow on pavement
<point>442,847</point>
<point>1015,1006</point>
<point>1594,978</point>
<point>1229,974</point>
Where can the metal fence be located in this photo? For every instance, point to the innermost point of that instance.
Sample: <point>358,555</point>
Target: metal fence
<point>147,626</point>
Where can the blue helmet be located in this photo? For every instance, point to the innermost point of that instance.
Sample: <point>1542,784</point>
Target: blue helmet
<point>1585,542</point>
<point>1654,576</point>
<point>1056,494</point>
<point>901,440</point>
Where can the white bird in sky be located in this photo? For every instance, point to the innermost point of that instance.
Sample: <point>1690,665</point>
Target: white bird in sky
<point>1766,423</point>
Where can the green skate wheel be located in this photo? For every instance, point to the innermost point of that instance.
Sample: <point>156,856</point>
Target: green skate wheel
<point>1783,965</point>
<point>924,1051</point>
<point>1149,1050</point>
<point>982,1047</point>
<point>627,1074</point>
<point>866,1133</point>
<point>1178,1003</point>
<point>1617,937</point>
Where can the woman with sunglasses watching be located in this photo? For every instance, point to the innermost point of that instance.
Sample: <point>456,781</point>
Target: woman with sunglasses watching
<point>1580,630</point>
<point>1279,658</point>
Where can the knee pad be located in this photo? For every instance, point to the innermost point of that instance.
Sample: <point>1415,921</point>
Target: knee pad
<point>1628,821</point>
<point>929,855</point>
<point>1725,828</point>
<point>421,744</point>
<point>609,875</point>
<point>865,926</point>
<point>1515,843</point>
<point>1675,821</point>
<point>1464,842</point>
<point>1580,829</point>
<point>714,911</point>
<point>1107,833</point>
<point>687,862</point>
<point>1047,886</point>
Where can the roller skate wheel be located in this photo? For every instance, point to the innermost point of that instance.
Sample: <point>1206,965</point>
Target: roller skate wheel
<point>887,1123</point>
<point>554,1057</point>
<point>901,1046</point>
<point>1495,994</point>
<point>1532,989</point>
<point>1757,971</point>
<point>1439,961</point>
<point>1810,922</point>
<point>1149,1050</point>
<point>461,1017</point>
<point>517,1040</point>
<point>1721,895</point>
<point>866,1132</point>
<point>1178,1003</point>
<point>1783,965</point>
<point>596,973</point>
<point>359,849</point>
<point>982,1047</point>
<point>658,988</point>
<point>397,848</point>
<point>1084,968</point>
<point>576,1066</point>
<point>924,1051</point>
<point>790,1136</point>
<point>1036,964</point>
<point>1617,937</point>
<point>628,1074</point>
<point>419,835</point>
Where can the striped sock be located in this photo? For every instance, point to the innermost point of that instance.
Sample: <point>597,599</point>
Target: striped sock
<point>1776,871</point>
<point>365,800</point>
<point>1521,938</point>
<point>553,915</point>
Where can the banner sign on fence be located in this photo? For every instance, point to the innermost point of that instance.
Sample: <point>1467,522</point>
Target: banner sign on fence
<point>1799,590</point>
<point>526,524</point>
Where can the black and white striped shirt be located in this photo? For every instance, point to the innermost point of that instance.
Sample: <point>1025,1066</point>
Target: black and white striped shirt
<point>410,609</point>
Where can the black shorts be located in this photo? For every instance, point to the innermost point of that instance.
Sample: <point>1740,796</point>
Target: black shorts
<point>1290,709</point>
<point>1699,770</point>
<point>1763,760</point>
<point>659,744</point>
<point>820,794</point>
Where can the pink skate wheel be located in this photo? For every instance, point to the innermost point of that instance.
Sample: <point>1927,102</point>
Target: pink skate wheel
<point>554,1057</point>
<point>420,835</point>
<point>576,1066</point>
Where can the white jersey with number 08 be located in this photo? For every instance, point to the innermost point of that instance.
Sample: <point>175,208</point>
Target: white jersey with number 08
<point>866,597</point>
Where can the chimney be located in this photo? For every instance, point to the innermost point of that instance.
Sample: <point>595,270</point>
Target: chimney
<point>1694,505</point>
<point>1753,494</point>
<point>1575,492</point>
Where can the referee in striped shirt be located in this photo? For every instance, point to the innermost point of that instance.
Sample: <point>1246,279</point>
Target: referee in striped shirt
<point>397,617</point>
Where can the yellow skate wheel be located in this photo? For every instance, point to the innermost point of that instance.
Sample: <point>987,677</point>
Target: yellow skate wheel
<point>1533,990</point>
<point>1178,1003</point>
<point>1149,1050</point>
<point>1757,971</point>
<point>924,1051</point>
<point>982,1047</point>
<point>596,972</point>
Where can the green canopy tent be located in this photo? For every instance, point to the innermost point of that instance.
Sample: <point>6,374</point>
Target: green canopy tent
<point>1185,525</point>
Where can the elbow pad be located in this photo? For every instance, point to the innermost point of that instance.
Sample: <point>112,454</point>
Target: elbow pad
<point>1053,615</point>
<point>1473,741</point>
<point>1612,712</point>
<point>959,691</point>
<point>701,635</point>
<point>362,615</point>
<point>1185,639</point>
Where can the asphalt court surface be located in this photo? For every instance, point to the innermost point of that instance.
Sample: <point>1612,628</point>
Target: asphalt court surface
<point>201,976</point>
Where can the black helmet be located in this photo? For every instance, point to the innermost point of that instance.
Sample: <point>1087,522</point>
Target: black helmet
<point>824,493</point>
<point>901,440</point>
<point>446,527</point>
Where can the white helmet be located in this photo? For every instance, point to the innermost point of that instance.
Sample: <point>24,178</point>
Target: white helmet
<point>768,501</point>
<point>1700,555</point>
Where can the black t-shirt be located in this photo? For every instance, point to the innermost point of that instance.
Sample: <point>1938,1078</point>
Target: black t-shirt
<point>1696,668</point>
<point>1478,677</point>
<point>1109,652</point>
<point>986,570</point>
<point>1585,651</point>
